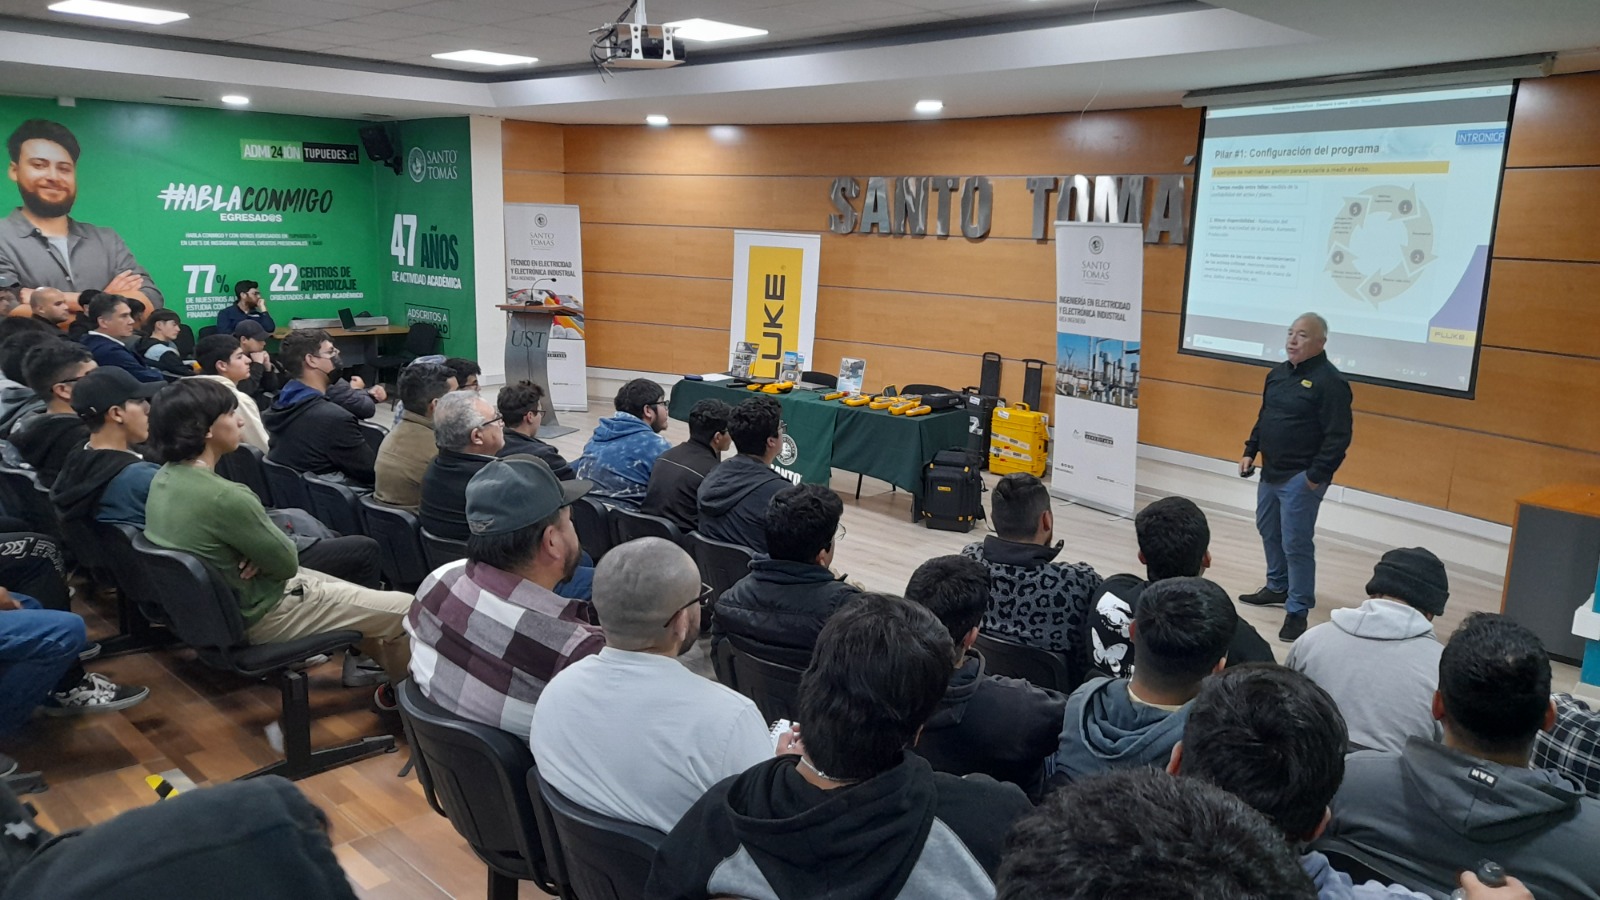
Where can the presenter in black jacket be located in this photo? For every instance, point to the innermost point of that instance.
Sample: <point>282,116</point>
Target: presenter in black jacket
<point>1302,433</point>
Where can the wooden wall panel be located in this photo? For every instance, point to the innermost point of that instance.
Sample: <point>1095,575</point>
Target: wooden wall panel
<point>1159,359</point>
<point>1549,214</point>
<point>657,348</point>
<point>690,252</point>
<point>1492,472</point>
<point>657,299</point>
<point>951,324</point>
<point>1397,458</point>
<point>1548,306</point>
<point>533,147</point>
<point>1556,122</point>
<point>1195,418</point>
<point>535,187</point>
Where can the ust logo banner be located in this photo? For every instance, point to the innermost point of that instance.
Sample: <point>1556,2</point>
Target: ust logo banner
<point>772,305</point>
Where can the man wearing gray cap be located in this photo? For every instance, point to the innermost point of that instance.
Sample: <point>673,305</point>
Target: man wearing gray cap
<point>631,733</point>
<point>489,632</point>
<point>1380,661</point>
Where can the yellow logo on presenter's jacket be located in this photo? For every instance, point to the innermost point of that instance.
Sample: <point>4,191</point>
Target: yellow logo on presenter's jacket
<point>1305,382</point>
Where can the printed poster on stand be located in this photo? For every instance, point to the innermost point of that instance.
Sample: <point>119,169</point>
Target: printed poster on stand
<point>775,297</point>
<point>544,260</point>
<point>1099,288</point>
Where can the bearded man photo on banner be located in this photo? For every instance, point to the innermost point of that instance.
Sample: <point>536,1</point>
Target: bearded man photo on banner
<point>40,245</point>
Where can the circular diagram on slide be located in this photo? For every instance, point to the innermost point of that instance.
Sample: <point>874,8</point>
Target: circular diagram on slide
<point>1386,266</point>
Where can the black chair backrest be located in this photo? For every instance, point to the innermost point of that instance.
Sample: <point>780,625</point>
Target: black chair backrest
<point>334,504</point>
<point>399,539</point>
<point>129,570</point>
<point>244,467</point>
<point>822,378</point>
<point>773,687</point>
<point>288,489</point>
<point>721,564</point>
<point>1042,668</point>
<point>627,525</point>
<point>373,434</point>
<point>422,339</point>
<point>591,519</point>
<point>438,551</point>
<point>477,776</point>
<point>206,331</point>
<point>200,607</point>
<point>601,858</point>
<point>185,340</point>
<point>28,500</point>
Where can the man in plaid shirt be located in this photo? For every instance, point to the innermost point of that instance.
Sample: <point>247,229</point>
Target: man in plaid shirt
<point>1573,746</point>
<point>488,632</point>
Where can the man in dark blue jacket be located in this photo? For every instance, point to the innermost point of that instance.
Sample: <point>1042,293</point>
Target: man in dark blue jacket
<point>113,324</point>
<point>248,306</point>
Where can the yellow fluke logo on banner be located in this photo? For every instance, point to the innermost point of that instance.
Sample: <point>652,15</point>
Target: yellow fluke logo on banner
<point>772,305</point>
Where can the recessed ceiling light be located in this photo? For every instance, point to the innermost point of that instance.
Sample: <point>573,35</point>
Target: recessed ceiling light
<point>929,106</point>
<point>236,99</point>
<point>144,15</point>
<point>485,58</point>
<point>656,120</point>
<point>707,30</point>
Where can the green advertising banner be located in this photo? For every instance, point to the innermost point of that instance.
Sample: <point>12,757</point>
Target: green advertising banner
<point>205,198</point>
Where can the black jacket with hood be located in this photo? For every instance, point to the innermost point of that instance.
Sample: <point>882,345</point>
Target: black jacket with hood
<point>1002,727</point>
<point>1110,643</point>
<point>46,441</point>
<point>84,479</point>
<point>777,611</point>
<point>733,501</point>
<point>1430,812</point>
<point>907,833</point>
<point>311,433</point>
<point>519,443</point>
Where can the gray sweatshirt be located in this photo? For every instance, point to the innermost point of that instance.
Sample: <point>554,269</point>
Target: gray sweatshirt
<point>1380,662</point>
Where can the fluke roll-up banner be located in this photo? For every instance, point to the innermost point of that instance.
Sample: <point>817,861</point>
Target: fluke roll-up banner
<point>1099,284</point>
<point>775,297</point>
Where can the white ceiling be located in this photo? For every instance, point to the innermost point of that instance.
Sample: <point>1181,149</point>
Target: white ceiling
<point>869,60</point>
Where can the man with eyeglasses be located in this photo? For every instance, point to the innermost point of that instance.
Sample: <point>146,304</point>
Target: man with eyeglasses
<point>311,433</point>
<point>467,432</point>
<point>489,632</point>
<point>622,453</point>
<point>46,440</point>
<point>632,733</point>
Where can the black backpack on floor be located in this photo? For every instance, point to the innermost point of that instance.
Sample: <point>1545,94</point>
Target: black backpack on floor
<point>952,491</point>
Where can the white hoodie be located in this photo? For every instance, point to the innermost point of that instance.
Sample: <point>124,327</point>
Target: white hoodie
<point>253,433</point>
<point>1380,662</point>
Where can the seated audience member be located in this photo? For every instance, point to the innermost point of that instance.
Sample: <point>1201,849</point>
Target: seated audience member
<point>1145,835</point>
<point>488,632</point>
<point>1274,739</point>
<point>112,326</point>
<point>467,433</point>
<point>466,372</point>
<point>631,733</point>
<point>46,440</point>
<point>675,481</point>
<point>520,408</point>
<point>157,344</point>
<point>1035,600</point>
<point>248,306</point>
<point>353,394</point>
<point>777,611</point>
<point>40,669</point>
<point>195,422</point>
<point>858,814</point>
<point>733,497</point>
<point>1181,632</point>
<point>224,361</point>
<point>279,850</point>
<point>1432,810</point>
<point>1380,661</point>
<point>1572,747</point>
<point>107,481</point>
<point>17,400</point>
<point>310,433</point>
<point>1174,541</point>
<point>623,450</point>
<point>1003,727</point>
<point>266,373</point>
<point>408,448</point>
<point>51,307</point>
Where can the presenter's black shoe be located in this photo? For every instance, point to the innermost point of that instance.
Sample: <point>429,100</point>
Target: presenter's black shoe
<point>1265,597</point>
<point>1293,627</point>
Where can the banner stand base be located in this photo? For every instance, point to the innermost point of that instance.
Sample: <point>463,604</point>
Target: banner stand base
<point>549,432</point>
<point>1081,501</point>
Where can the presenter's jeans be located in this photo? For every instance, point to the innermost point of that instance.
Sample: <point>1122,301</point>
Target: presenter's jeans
<point>1286,517</point>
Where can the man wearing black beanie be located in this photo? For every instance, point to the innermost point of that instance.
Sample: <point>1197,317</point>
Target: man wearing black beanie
<point>1380,661</point>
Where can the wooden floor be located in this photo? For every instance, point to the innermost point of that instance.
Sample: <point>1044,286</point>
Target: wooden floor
<point>210,727</point>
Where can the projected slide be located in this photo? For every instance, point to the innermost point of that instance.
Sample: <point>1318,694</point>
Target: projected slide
<point>1375,212</point>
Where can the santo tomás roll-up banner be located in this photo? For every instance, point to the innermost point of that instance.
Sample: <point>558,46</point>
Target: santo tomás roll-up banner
<point>775,297</point>
<point>544,257</point>
<point>1099,288</point>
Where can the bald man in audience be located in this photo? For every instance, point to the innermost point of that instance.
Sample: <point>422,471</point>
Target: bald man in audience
<point>50,306</point>
<point>631,733</point>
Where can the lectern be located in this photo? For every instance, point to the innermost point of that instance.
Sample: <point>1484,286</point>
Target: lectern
<point>527,349</point>
<point>1555,550</point>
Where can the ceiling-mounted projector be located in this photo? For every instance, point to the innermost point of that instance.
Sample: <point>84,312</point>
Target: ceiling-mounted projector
<point>636,44</point>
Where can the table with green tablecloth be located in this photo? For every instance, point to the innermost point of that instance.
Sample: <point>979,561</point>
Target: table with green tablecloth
<point>829,435</point>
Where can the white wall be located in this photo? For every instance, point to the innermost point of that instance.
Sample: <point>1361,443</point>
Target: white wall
<point>489,246</point>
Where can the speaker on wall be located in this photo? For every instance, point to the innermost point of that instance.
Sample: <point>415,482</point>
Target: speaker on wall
<point>380,146</point>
